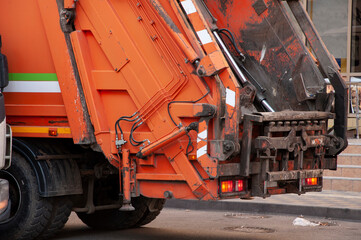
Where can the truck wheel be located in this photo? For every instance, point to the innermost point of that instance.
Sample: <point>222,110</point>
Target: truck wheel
<point>62,207</point>
<point>154,208</point>
<point>114,219</point>
<point>29,213</point>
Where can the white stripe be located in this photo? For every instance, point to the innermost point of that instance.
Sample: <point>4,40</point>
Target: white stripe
<point>348,166</point>
<point>33,86</point>
<point>188,6</point>
<point>336,178</point>
<point>202,151</point>
<point>202,136</point>
<point>230,97</point>
<point>204,36</point>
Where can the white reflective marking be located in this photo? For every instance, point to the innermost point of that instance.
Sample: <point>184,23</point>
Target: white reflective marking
<point>202,151</point>
<point>263,53</point>
<point>230,97</point>
<point>33,86</point>
<point>204,36</point>
<point>188,6</point>
<point>202,136</point>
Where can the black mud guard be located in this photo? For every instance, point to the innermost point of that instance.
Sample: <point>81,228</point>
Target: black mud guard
<point>56,177</point>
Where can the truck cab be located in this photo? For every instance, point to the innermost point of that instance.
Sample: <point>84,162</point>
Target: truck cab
<point>5,141</point>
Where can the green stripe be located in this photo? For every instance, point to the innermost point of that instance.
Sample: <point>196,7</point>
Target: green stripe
<point>33,77</point>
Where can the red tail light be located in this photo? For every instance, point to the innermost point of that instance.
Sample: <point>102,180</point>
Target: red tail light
<point>230,186</point>
<point>239,186</point>
<point>310,181</point>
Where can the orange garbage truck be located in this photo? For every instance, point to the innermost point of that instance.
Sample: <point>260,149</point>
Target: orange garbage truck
<point>117,105</point>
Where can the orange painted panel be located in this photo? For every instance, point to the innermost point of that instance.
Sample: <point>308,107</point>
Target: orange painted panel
<point>34,44</point>
<point>24,39</point>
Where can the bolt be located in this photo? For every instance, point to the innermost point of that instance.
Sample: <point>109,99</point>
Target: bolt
<point>168,194</point>
<point>201,72</point>
<point>227,147</point>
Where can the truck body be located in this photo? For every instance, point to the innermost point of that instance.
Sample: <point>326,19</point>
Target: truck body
<point>118,105</point>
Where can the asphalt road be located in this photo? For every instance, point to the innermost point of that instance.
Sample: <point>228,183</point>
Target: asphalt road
<point>177,224</point>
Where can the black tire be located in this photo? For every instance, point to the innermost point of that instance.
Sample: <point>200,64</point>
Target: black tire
<point>62,207</point>
<point>154,207</point>
<point>115,220</point>
<point>30,213</point>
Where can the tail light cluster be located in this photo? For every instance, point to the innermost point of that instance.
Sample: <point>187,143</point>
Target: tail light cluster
<point>310,182</point>
<point>231,186</point>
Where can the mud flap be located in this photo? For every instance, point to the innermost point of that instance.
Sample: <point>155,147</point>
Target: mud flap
<point>57,175</point>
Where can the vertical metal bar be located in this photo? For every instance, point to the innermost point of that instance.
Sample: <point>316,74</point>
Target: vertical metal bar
<point>348,66</point>
<point>301,159</point>
<point>124,171</point>
<point>246,147</point>
<point>264,170</point>
<point>90,196</point>
<point>285,158</point>
<point>352,110</point>
<point>357,112</point>
<point>349,32</point>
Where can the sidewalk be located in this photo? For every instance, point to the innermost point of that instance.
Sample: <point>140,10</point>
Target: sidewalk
<point>328,204</point>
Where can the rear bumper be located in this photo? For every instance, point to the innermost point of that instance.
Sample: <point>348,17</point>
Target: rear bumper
<point>4,200</point>
<point>291,148</point>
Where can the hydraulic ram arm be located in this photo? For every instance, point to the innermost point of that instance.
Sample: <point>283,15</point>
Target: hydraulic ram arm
<point>276,56</point>
<point>330,69</point>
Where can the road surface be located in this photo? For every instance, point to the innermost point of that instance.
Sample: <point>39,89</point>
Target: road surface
<point>205,225</point>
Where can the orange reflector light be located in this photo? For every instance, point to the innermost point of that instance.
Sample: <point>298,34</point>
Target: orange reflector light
<point>192,157</point>
<point>227,186</point>
<point>311,181</point>
<point>53,132</point>
<point>3,204</point>
<point>232,186</point>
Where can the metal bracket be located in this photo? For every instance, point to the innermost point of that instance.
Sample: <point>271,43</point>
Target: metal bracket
<point>67,17</point>
<point>259,6</point>
<point>211,64</point>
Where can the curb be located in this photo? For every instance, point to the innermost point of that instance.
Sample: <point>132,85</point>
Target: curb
<point>254,207</point>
